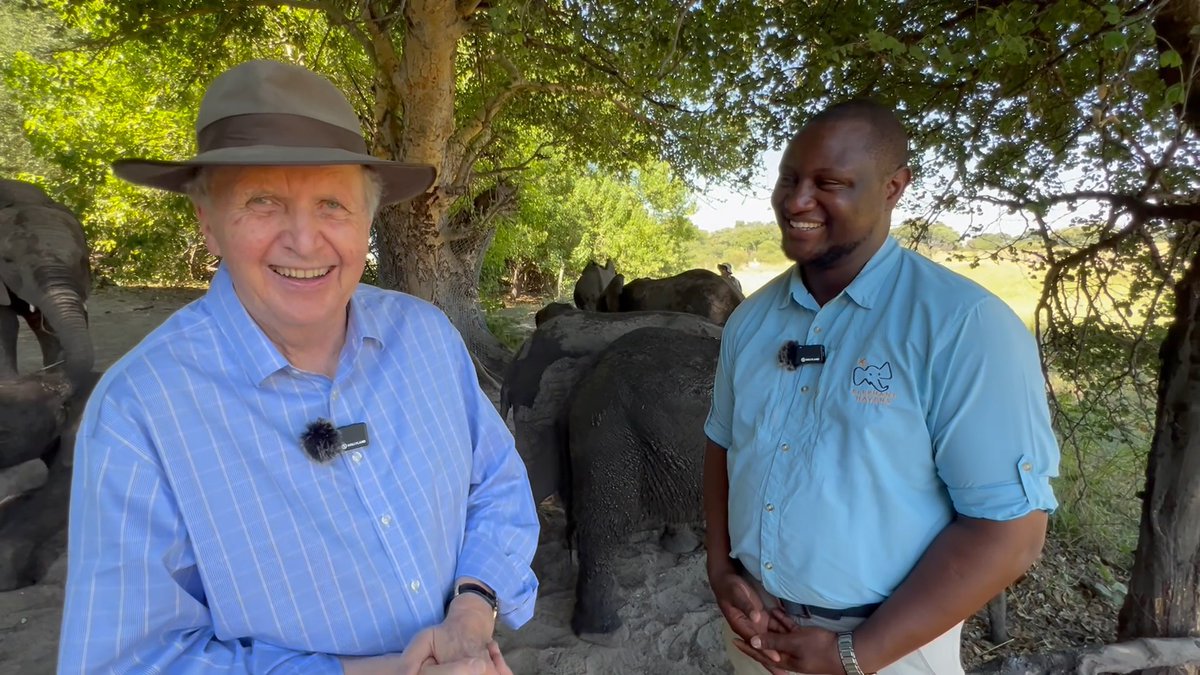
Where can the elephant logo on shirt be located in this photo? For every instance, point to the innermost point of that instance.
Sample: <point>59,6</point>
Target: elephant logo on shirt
<point>876,376</point>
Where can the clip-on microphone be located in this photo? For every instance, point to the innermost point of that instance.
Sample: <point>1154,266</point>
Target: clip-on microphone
<point>792,354</point>
<point>323,441</point>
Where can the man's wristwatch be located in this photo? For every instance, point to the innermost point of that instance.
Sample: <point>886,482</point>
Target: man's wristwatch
<point>845,642</point>
<point>481,591</point>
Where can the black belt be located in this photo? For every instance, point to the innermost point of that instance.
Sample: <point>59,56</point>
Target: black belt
<point>805,611</point>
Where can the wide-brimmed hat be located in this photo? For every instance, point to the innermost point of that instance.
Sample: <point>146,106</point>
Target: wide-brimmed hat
<point>266,113</point>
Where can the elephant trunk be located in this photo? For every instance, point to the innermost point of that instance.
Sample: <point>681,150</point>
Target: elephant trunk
<point>62,309</point>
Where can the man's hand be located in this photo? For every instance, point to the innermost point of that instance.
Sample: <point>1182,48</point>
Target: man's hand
<point>741,605</point>
<point>794,649</point>
<point>465,635</point>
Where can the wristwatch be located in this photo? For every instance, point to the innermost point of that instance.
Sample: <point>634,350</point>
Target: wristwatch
<point>845,642</point>
<point>481,591</point>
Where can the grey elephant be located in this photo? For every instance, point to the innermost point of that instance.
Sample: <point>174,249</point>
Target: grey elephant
<point>44,278</point>
<point>539,381</point>
<point>695,291</point>
<point>14,192</point>
<point>550,311</point>
<point>33,413</point>
<point>33,529</point>
<point>636,436</point>
<point>592,282</point>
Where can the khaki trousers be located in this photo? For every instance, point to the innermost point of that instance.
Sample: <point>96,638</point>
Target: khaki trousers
<point>940,657</point>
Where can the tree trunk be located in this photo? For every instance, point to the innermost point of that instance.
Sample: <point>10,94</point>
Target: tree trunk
<point>1164,589</point>
<point>420,252</point>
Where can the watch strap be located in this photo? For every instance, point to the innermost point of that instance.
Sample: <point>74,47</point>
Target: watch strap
<point>845,643</point>
<point>481,591</point>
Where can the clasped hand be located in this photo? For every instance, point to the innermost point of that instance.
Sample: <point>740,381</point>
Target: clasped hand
<point>460,645</point>
<point>769,635</point>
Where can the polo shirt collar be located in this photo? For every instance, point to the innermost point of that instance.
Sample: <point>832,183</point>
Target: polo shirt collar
<point>863,290</point>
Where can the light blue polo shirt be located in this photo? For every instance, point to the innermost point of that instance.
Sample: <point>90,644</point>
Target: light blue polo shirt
<point>931,401</point>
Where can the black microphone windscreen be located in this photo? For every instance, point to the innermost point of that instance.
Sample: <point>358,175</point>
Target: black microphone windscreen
<point>320,440</point>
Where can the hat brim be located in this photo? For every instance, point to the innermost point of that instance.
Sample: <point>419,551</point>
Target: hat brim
<point>401,181</point>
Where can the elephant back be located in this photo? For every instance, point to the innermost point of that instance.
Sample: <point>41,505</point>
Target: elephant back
<point>540,380</point>
<point>647,397</point>
<point>695,291</point>
<point>17,192</point>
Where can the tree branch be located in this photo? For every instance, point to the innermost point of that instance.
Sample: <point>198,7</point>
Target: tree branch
<point>504,170</point>
<point>475,221</point>
<point>467,7</point>
<point>1137,207</point>
<point>662,68</point>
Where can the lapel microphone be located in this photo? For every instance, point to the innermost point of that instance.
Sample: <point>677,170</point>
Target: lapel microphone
<point>322,441</point>
<point>792,354</point>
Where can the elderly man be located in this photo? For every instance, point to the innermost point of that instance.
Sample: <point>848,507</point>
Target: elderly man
<point>880,445</point>
<point>295,473</point>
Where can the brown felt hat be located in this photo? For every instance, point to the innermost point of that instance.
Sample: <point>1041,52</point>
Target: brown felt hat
<point>266,113</point>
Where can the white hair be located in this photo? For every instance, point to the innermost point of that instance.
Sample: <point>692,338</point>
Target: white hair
<point>197,187</point>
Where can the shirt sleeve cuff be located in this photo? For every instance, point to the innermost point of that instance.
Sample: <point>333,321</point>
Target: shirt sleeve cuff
<point>515,586</point>
<point>718,433</point>
<point>1008,501</point>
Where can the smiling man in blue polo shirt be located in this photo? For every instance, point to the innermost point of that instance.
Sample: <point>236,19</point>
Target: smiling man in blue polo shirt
<point>880,445</point>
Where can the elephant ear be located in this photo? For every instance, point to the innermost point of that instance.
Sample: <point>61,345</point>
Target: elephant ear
<point>610,301</point>
<point>4,299</point>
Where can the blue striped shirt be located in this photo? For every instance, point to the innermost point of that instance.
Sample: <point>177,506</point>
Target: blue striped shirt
<point>931,402</point>
<point>203,539</point>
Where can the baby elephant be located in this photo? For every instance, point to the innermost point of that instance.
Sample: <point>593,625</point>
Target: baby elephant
<point>636,439</point>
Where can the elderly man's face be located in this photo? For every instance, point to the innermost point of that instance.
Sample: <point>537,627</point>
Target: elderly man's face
<point>294,240</point>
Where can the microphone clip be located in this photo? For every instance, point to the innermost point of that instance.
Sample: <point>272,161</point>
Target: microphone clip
<point>792,354</point>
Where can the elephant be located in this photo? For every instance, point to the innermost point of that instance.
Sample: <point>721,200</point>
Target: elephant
<point>541,377</point>
<point>636,437</point>
<point>550,311</point>
<point>33,413</point>
<point>44,277</point>
<point>592,282</point>
<point>14,192</point>
<point>33,527</point>
<point>695,291</point>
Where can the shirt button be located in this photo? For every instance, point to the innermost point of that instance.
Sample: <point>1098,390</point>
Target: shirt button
<point>334,396</point>
<point>386,520</point>
<point>817,329</point>
<point>770,507</point>
<point>804,389</point>
<point>1027,467</point>
<point>415,586</point>
<point>784,447</point>
<point>356,456</point>
<point>769,566</point>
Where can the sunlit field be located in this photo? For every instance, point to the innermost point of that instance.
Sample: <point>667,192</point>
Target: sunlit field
<point>1008,280</point>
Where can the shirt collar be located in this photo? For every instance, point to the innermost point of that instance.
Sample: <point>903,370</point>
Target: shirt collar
<point>255,351</point>
<point>863,290</point>
<point>361,326</point>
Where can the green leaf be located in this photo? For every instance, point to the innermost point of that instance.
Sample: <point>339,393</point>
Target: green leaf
<point>1112,14</point>
<point>1170,59</point>
<point>1114,40</point>
<point>1175,94</point>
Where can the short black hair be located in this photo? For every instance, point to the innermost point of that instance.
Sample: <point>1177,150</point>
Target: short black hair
<point>890,140</point>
